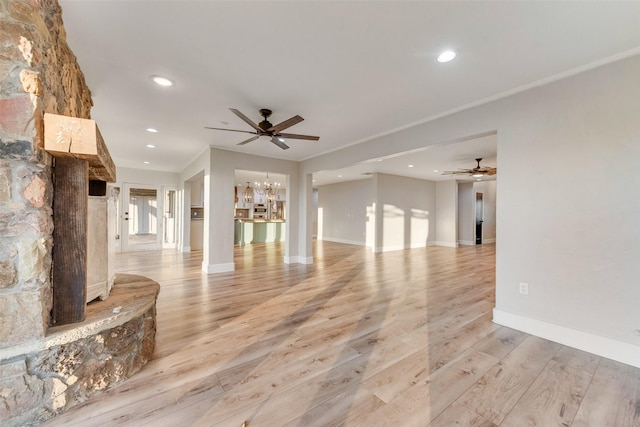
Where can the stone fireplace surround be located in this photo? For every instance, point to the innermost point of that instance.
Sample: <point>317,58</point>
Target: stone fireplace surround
<point>45,370</point>
<point>41,378</point>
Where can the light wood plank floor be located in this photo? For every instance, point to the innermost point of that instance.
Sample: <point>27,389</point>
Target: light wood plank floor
<point>357,339</point>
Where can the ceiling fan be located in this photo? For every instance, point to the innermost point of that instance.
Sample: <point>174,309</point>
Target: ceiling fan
<point>476,172</point>
<point>265,128</point>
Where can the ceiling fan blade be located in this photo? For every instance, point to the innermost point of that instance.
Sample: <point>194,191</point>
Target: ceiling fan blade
<point>286,124</point>
<point>231,130</point>
<point>279,143</point>
<point>246,141</point>
<point>246,119</point>
<point>296,136</point>
<point>492,171</point>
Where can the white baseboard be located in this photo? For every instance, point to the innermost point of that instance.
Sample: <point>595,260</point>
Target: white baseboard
<point>402,247</point>
<point>489,240</point>
<point>298,260</point>
<point>419,245</point>
<point>345,241</point>
<point>185,249</point>
<point>466,242</point>
<point>218,268</point>
<point>596,344</point>
<point>446,244</point>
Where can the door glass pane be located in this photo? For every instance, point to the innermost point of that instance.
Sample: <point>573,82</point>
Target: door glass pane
<point>143,216</point>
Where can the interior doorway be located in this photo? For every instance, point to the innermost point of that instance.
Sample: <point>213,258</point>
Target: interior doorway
<point>141,227</point>
<point>169,217</point>
<point>479,217</point>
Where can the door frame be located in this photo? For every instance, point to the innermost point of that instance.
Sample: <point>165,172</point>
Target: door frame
<point>479,219</point>
<point>124,217</point>
<point>176,210</point>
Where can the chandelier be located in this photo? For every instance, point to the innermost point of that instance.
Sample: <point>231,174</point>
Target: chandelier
<point>268,189</point>
<point>247,194</point>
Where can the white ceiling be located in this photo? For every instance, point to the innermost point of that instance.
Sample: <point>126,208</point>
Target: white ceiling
<point>427,163</point>
<point>353,70</point>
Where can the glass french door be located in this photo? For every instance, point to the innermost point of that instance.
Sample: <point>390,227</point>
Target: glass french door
<point>142,217</point>
<point>169,217</point>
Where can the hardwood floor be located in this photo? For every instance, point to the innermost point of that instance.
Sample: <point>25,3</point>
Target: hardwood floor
<point>357,339</point>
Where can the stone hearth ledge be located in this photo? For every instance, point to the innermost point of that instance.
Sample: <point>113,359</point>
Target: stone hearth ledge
<point>135,295</point>
<point>47,376</point>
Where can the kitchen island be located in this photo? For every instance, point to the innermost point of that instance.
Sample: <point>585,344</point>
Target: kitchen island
<point>249,231</point>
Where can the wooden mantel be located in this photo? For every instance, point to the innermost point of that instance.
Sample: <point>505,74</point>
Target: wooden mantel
<point>80,139</point>
<point>81,155</point>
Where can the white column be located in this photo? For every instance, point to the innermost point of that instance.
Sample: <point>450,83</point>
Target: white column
<point>217,251</point>
<point>292,224</point>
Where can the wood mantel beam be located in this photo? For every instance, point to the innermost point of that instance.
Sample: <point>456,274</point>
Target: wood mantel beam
<point>79,139</point>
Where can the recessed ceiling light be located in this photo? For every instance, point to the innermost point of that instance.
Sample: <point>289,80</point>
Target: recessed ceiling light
<point>152,130</point>
<point>379,160</point>
<point>151,146</point>
<point>339,176</point>
<point>146,163</point>
<point>436,171</point>
<point>314,180</point>
<point>410,166</point>
<point>162,81</point>
<point>446,56</point>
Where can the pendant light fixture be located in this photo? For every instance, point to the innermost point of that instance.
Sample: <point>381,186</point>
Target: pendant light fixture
<point>247,194</point>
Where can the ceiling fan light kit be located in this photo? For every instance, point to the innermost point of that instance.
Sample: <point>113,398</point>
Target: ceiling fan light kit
<point>265,128</point>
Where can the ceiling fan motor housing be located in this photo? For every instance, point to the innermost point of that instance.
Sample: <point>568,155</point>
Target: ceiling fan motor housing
<point>265,124</point>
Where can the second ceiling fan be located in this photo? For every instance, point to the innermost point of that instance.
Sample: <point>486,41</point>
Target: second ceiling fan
<point>265,128</point>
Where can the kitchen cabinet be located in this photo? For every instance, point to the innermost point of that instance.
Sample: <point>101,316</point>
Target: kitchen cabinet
<point>196,234</point>
<point>259,231</point>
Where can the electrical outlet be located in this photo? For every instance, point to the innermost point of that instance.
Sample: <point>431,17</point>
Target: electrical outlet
<point>524,288</point>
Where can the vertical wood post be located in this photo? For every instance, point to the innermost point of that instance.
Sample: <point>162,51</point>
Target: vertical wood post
<point>70,206</point>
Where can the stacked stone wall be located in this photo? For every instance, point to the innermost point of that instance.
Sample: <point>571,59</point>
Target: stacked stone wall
<point>38,376</point>
<point>38,74</point>
<point>45,383</point>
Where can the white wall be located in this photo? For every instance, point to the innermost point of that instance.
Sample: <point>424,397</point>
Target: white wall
<point>143,176</point>
<point>466,213</point>
<point>446,213</point>
<point>343,209</point>
<point>571,231</point>
<point>386,213</point>
<point>407,212</point>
